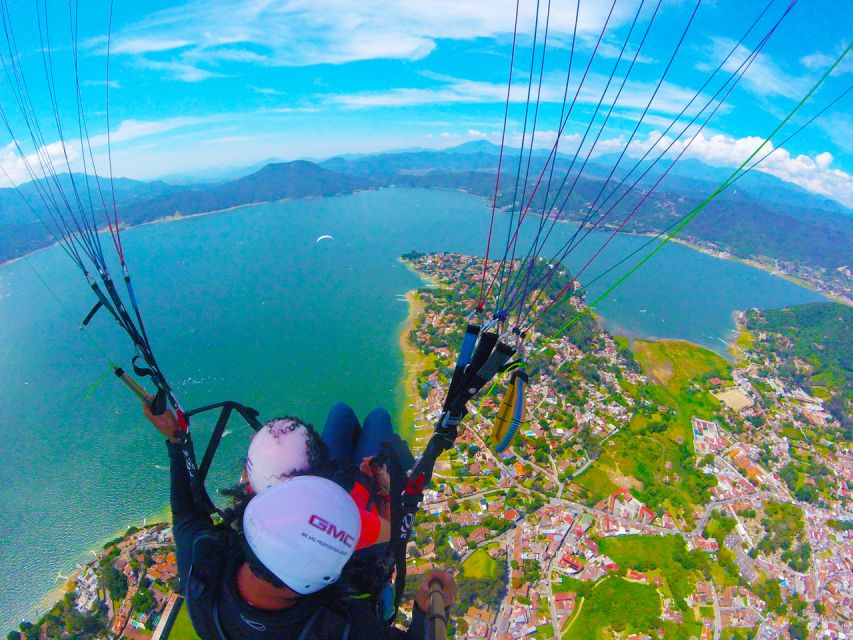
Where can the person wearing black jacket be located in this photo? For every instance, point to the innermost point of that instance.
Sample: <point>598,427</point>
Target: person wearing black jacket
<point>279,578</point>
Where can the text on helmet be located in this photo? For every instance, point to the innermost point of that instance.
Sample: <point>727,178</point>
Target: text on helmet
<point>332,530</point>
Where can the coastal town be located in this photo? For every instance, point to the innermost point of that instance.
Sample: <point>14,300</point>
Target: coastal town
<point>128,590</point>
<point>570,538</point>
<point>654,490</point>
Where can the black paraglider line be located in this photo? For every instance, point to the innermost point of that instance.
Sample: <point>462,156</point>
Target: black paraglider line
<point>585,287</point>
<point>502,304</point>
<point>117,233</point>
<point>533,130</point>
<point>40,187</point>
<point>482,294</point>
<point>87,235</point>
<point>734,78</point>
<point>701,206</point>
<point>21,92</point>
<point>521,146</point>
<point>563,252</point>
<point>559,134</point>
<point>23,96</point>
<point>84,134</point>
<point>531,261</point>
<point>530,258</point>
<point>534,248</point>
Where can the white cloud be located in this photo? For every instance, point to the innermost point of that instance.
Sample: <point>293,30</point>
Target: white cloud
<point>180,70</point>
<point>134,129</point>
<point>838,127</point>
<point>813,173</point>
<point>763,77</point>
<point>268,91</point>
<point>309,32</point>
<point>132,46</point>
<point>819,60</point>
<point>670,99</point>
<point>15,170</point>
<point>112,84</point>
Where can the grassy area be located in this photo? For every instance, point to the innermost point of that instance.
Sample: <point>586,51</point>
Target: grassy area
<point>738,634</point>
<point>673,363</point>
<point>654,456</point>
<point>666,554</point>
<point>744,342</point>
<point>481,565</point>
<point>822,393</point>
<point>183,628</point>
<point>622,342</point>
<point>718,527</point>
<point>617,605</point>
<point>566,585</point>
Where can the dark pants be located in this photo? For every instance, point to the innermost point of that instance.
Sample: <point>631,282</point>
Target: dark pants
<point>349,441</point>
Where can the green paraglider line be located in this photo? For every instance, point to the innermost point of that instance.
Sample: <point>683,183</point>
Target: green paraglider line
<point>726,183</point>
<point>88,335</point>
<point>707,200</point>
<point>98,382</point>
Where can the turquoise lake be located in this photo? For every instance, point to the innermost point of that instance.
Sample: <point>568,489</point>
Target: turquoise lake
<point>245,305</point>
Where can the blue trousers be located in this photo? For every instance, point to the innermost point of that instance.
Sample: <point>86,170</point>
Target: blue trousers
<point>351,442</point>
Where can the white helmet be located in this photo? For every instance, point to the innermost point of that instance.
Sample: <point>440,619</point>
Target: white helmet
<point>278,451</point>
<point>303,531</point>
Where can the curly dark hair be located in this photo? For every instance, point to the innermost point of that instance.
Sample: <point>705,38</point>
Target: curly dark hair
<point>319,464</point>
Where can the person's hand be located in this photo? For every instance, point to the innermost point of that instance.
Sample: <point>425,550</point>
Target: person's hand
<point>166,422</point>
<point>380,473</point>
<point>448,587</point>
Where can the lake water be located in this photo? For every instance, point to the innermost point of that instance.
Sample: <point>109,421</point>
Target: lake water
<point>245,305</point>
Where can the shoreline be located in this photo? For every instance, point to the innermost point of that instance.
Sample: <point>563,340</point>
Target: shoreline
<point>414,362</point>
<point>749,262</point>
<point>176,217</point>
<point>55,594</point>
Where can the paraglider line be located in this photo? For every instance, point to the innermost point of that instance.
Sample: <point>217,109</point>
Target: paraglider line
<point>483,292</point>
<point>699,208</point>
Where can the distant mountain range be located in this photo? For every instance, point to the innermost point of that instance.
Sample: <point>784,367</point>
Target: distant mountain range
<point>759,215</point>
<point>139,202</point>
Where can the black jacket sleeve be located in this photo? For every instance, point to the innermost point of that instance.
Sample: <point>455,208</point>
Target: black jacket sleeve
<point>188,520</point>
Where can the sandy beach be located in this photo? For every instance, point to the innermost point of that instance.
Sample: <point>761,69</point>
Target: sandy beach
<point>414,362</point>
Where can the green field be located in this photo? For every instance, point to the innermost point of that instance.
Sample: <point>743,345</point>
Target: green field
<point>673,363</point>
<point>654,457</point>
<point>183,628</point>
<point>666,556</point>
<point>617,605</point>
<point>481,565</point>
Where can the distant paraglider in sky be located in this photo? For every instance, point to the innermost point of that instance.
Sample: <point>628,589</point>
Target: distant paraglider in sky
<point>326,237</point>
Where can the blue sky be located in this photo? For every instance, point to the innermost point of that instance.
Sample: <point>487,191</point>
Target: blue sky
<point>206,84</point>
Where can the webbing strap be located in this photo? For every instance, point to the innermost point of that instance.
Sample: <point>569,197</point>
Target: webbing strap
<point>476,365</point>
<point>466,351</point>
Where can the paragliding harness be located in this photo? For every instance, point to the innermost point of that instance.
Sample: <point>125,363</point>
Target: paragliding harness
<point>481,356</point>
